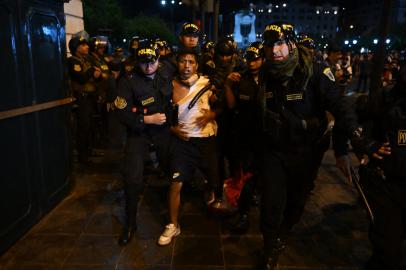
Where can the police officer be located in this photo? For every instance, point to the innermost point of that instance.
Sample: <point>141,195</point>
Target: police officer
<point>130,63</point>
<point>189,36</point>
<point>167,59</point>
<point>294,96</point>
<point>82,78</point>
<point>383,174</point>
<point>142,105</point>
<point>241,97</point>
<point>98,48</point>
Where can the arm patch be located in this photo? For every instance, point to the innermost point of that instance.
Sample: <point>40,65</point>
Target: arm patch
<point>329,74</point>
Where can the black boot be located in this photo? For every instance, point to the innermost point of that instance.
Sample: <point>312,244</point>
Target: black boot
<point>132,193</point>
<point>126,235</point>
<point>270,260</point>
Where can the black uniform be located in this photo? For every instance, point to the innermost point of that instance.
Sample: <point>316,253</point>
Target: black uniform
<point>384,181</point>
<point>244,133</point>
<point>139,95</point>
<point>293,122</point>
<point>84,89</point>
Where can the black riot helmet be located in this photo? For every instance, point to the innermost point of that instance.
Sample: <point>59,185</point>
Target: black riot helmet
<point>134,43</point>
<point>161,44</point>
<point>254,51</point>
<point>75,42</point>
<point>147,51</point>
<point>306,41</point>
<point>278,31</point>
<point>190,29</point>
<point>209,45</point>
<point>98,42</point>
<point>225,46</point>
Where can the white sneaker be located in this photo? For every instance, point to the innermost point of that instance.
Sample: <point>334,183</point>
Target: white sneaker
<point>170,232</point>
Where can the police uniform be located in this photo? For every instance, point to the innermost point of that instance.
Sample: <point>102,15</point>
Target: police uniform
<point>384,181</point>
<point>84,89</point>
<point>139,95</point>
<point>293,120</point>
<point>244,134</point>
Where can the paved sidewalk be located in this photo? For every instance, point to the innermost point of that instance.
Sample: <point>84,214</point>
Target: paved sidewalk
<point>81,232</point>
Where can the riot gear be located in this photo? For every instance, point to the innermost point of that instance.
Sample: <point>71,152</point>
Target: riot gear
<point>225,46</point>
<point>98,42</point>
<point>254,51</point>
<point>190,29</point>
<point>278,31</point>
<point>147,52</point>
<point>75,42</point>
<point>209,45</point>
<point>306,41</point>
<point>134,43</point>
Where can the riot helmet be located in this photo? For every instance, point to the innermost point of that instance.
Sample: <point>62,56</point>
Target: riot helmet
<point>208,46</point>
<point>190,29</point>
<point>306,41</point>
<point>147,51</point>
<point>98,42</point>
<point>134,43</point>
<point>278,31</point>
<point>75,42</point>
<point>225,46</point>
<point>254,51</point>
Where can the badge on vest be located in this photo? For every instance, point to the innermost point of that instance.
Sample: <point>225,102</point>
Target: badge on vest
<point>244,97</point>
<point>128,68</point>
<point>77,68</point>
<point>120,103</point>
<point>147,101</point>
<point>402,137</point>
<point>296,96</point>
<point>104,67</point>
<point>329,74</point>
<point>268,95</point>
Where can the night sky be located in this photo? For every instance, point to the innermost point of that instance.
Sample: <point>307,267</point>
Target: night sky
<point>133,7</point>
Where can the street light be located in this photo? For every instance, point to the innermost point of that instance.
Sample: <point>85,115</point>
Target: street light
<point>351,26</point>
<point>346,42</point>
<point>375,41</point>
<point>163,2</point>
<point>354,41</point>
<point>387,41</point>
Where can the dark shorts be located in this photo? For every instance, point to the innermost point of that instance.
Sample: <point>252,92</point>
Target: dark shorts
<point>196,153</point>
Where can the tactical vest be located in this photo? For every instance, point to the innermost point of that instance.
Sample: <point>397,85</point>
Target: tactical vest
<point>89,86</point>
<point>282,121</point>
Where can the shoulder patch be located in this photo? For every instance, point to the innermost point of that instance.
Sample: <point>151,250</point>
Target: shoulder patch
<point>77,68</point>
<point>402,137</point>
<point>329,74</point>
<point>120,103</point>
<point>211,64</point>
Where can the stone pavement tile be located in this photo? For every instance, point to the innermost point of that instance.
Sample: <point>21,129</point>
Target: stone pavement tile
<point>145,252</point>
<point>63,222</point>
<point>198,267</point>
<point>146,267</point>
<point>85,204</point>
<point>197,250</point>
<point>38,248</point>
<point>227,225</point>
<point>95,249</point>
<point>103,223</point>
<point>150,224</point>
<point>154,200</point>
<point>199,224</point>
<point>242,251</point>
<point>31,266</point>
<point>87,267</point>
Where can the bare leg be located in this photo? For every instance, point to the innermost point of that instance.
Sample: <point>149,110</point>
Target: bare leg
<point>174,201</point>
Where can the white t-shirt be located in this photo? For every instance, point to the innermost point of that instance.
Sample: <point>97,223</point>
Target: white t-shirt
<point>188,117</point>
